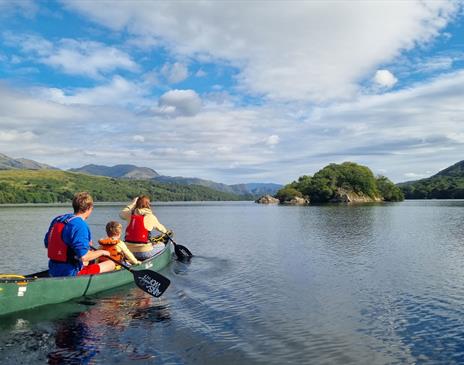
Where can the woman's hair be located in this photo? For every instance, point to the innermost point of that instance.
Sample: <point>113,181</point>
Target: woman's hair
<point>143,201</point>
<point>82,202</point>
<point>113,228</point>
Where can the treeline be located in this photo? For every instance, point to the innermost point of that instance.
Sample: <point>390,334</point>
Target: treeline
<point>435,187</point>
<point>51,186</point>
<point>333,179</point>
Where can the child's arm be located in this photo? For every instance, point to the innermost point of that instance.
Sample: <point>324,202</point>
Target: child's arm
<point>128,254</point>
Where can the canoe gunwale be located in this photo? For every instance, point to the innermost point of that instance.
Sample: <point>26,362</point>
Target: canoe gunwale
<point>43,275</point>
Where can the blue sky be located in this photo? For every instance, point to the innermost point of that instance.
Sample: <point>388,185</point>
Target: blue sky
<point>234,91</point>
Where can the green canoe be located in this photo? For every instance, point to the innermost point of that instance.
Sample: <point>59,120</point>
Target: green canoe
<point>17,294</point>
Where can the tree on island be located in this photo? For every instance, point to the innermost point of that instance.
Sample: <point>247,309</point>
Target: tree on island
<point>335,179</point>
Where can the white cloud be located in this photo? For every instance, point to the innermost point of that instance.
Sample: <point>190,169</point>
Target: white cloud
<point>144,42</point>
<point>29,43</point>
<point>191,154</point>
<point>16,136</point>
<point>174,73</point>
<point>272,140</point>
<point>402,132</point>
<point>385,78</point>
<point>88,58</point>
<point>180,102</point>
<point>138,138</point>
<point>436,64</point>
<point>27,8</point>
<point>299,50</point>
<point>16,107</point>
<point>118,91</point>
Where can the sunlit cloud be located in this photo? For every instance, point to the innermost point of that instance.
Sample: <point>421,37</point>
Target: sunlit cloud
<point>291,51</point>
<point>385,78</point>
<point>88,58</point>
<point>179,102</point>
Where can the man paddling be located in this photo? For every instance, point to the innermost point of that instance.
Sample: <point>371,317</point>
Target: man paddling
<point>68,242</point>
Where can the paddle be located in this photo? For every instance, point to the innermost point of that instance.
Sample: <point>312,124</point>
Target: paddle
<point>182,252</point>
<point>149,281</point>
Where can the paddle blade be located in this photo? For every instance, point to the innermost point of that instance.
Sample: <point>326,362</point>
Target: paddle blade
<point>182,252</point>
<point>151,282</point>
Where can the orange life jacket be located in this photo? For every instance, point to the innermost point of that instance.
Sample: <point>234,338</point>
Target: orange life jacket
<point>109,245</point>
<point>136,231</point>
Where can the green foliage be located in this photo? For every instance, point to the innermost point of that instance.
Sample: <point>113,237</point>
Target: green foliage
<point>435,187</point>
<point>388,190</point>
<point>51,186</point>
<point>348,176</point>
<point>321,190</point>
<point>287,193</point>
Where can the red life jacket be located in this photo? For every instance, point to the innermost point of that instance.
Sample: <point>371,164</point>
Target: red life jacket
<point>57,249</point>
<point>136,231</point>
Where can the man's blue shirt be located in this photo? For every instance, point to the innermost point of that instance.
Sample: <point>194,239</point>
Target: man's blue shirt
<point>76,235</point>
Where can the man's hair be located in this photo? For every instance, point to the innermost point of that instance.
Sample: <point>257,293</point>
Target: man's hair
<point>113,228</point>
<point>82,202</point>
<point>143,201</point>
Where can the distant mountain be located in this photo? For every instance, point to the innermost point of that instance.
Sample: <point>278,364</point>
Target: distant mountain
<point>251,189</point>
<point>446,184</point>
<point>51,186</point>
<point>193,181</point>
<point>118,171</point>
<point>9,163</point>
<point>144,173</point>
<point>257,189</point>
<point>232,192</point>
<point>456,170</point>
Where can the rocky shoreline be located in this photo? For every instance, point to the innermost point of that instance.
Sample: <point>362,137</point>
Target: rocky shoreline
<point>341,196</point>
<point>269,199</point>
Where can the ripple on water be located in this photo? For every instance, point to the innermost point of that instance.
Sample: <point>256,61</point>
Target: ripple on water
<point>270,285</point>
<point>423,327</point>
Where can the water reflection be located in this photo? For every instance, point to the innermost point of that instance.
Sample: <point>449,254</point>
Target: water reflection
<point>110,324</point>
<point>74,342</point>
<point>268,285</point>
<point>344,230</point>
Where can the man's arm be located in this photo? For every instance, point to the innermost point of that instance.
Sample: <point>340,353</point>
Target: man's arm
<point>92,255</point>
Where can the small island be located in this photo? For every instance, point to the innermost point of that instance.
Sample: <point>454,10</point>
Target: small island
<point>337,183</point>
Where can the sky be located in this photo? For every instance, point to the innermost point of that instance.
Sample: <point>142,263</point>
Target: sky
<point>234,91</point>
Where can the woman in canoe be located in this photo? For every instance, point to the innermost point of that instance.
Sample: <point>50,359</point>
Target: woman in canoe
<point>141,221</point>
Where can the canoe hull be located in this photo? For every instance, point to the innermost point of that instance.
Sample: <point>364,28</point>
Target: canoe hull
<point>17,295</point>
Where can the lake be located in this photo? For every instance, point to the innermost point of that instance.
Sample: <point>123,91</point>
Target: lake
<point>367,284</point>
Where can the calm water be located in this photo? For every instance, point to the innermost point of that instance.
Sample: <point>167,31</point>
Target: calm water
<point>380,284</point>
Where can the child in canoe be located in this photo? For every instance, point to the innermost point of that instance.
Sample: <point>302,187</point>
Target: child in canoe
<point>115,246</point>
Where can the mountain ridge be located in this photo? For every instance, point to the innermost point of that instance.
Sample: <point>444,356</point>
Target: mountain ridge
<point>129,171</point>
<point>121,171</point>
<point>9,163</point>
<point>253,189</point>
<point>445,184</point>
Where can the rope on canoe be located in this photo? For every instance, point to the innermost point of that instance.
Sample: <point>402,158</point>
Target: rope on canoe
<point>11,276</point>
